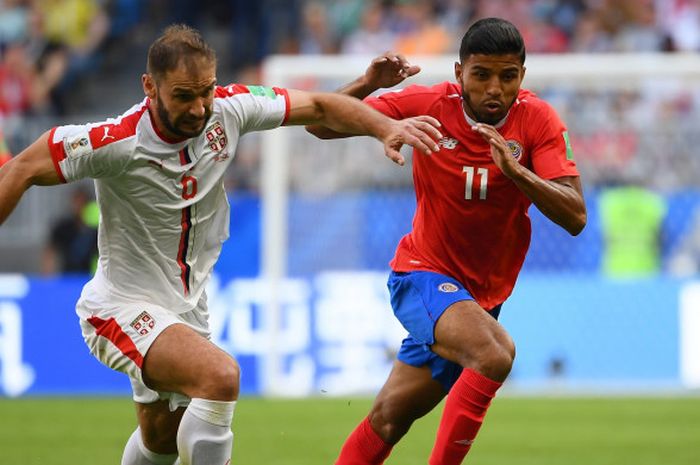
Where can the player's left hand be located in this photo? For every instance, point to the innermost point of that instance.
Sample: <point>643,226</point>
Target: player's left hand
<point>389,70</point>
<point>499,149</point>
<point>420,132</point>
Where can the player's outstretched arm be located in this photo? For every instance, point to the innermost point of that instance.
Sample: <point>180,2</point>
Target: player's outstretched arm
<point>32,167</point>
<point>350,116</point>
<point>384,71</point>
<point>560,200</point>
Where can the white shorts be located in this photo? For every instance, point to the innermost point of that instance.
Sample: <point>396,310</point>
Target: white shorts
<point>119,335</point>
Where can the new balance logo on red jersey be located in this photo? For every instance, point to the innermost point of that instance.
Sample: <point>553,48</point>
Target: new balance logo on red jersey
<point>448,142</point>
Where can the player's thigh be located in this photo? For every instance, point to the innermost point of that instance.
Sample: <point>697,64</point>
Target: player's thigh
<point>181,360</point>
<point>408,394</point>
<point>159,426</point>
<point>465,332</point>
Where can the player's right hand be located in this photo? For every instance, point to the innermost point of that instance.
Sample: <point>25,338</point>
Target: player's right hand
<point>389,70</point>
<point>420,132</point>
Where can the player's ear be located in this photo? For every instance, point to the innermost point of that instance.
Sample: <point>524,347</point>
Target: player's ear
<point>149,86</point>
<point>458,71</point>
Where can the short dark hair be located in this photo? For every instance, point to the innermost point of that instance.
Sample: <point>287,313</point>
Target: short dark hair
<point>176,42</point>
<point>492,36</point>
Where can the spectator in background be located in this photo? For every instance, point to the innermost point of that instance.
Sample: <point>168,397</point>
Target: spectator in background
<point>316,37</point>
<point>540,34</point>
<point>5,154</point>
<point>425,35</point>
<point>74,30</point>
<point>631,220</point>
<point>263,27</point>
<point>72,244</point>
<point>17,81</point>
<point>13,20</point>
<point>638,30</point>
<point>372,37</point>
<point>589,35</point>
<point>680,21</point>
<point>30,67</point>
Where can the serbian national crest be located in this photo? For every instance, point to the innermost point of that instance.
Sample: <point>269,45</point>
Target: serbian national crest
<point>143,323</point>
<point>515,148</point>
<point>216,138</point>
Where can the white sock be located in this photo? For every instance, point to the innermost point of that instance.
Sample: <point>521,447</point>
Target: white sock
<point>204,436</point>
<point>136,453</point>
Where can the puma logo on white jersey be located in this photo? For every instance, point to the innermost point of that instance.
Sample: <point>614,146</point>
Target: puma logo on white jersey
<point>107,136</point>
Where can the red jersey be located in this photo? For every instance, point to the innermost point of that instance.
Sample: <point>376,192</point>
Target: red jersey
<point>471,221</point>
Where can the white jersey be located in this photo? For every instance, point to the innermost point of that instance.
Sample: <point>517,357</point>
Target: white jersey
<point>164,212</point>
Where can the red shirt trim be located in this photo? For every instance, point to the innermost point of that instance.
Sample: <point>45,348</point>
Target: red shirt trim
<point>230,90</point>
<point>287,108</point>
<point>57,155</point>
<point>108,133</point>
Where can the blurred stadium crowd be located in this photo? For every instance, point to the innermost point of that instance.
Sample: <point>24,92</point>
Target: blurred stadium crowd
<point>78,60</point>
<point>50,45</point>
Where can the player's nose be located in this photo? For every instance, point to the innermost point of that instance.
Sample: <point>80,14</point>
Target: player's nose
<point>494,87</point>
<point>198,108</point>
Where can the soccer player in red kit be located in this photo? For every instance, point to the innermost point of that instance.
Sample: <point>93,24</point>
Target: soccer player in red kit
<point>502,150</point>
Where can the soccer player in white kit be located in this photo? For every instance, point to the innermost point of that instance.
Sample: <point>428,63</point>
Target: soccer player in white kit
<point>158,172</point>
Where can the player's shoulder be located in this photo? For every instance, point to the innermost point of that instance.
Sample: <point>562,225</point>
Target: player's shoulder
<point>234,90</point>
<point>535,111</point>
<point>79,139</point>
<point>120,128</point>
<point>528,102</point>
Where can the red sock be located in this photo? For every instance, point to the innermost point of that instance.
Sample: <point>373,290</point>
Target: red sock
<point>364,447</point>
<point>464,412</point>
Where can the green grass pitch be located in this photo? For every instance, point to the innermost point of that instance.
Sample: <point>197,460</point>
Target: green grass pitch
<point>518,431</point>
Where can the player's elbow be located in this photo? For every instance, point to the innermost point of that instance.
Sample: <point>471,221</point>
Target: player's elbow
<point>319,131</point>
<point>323,132</point>
<point>577,224</point>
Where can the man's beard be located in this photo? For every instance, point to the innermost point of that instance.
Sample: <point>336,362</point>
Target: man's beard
<point>172,127</point>
<point>480,117</point>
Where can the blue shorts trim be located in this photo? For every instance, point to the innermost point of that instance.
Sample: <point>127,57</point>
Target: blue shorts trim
<point>419,298</point>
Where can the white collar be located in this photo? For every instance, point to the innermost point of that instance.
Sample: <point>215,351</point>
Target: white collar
<point>472,122</point>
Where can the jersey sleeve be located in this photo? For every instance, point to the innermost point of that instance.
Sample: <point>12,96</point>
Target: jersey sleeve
<point>255,108</point>
<point>77,153</point>
<point>403,103</point>
<point>552,155</point>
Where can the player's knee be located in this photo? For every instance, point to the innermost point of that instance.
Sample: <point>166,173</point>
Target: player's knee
<point>496,359</point>
<point>222,381</point>
<point>388,426</point>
